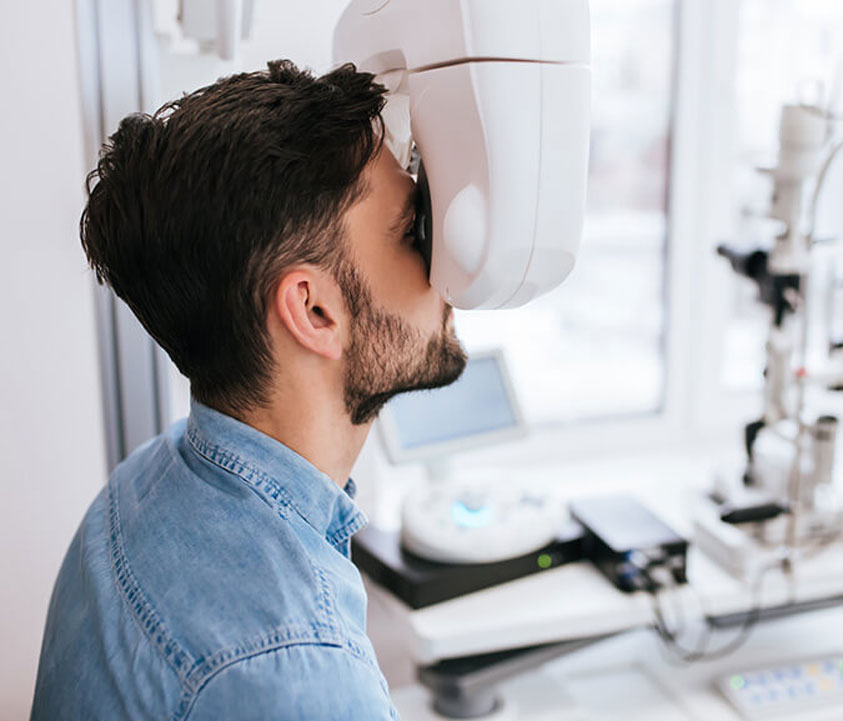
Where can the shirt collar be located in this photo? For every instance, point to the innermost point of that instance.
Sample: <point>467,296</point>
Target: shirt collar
<point>276,472</point>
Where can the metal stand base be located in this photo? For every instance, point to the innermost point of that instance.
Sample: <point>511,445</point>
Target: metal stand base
<point>466,688</point>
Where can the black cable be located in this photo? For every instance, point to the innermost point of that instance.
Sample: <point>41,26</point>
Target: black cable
<point>701,651</point>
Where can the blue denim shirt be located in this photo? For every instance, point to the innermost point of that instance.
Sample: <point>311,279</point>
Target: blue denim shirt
<point>211,580</point>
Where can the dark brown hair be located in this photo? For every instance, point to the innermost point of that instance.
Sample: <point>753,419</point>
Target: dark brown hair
<point>194,212</point>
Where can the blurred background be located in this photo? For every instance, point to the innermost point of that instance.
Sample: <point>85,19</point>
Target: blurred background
<point>653,343</point>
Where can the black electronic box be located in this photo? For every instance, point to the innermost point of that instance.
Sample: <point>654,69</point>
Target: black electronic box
<point>624,539</point>
<point>421,583</point>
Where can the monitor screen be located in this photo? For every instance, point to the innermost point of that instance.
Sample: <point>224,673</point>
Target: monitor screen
<point>480,407</point>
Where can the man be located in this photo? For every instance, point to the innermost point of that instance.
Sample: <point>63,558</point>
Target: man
<point>263,236</point>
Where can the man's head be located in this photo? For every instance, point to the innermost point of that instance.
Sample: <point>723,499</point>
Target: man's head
<point>204,215</point>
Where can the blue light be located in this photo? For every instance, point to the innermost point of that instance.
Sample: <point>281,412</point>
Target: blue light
<point>466,517</point>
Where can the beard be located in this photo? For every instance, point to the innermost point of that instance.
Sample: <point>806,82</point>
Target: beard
<point>386,356</point>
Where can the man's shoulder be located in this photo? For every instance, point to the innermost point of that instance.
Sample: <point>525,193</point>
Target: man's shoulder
<point>181,573</point>
<point>218,567</point>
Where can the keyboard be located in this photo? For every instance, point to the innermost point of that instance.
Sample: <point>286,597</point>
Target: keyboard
<point>786,689</point>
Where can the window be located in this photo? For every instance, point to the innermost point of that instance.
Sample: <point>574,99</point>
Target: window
<point>595,347</point>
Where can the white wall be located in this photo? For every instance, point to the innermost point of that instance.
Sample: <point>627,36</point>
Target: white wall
<point>51,436</point>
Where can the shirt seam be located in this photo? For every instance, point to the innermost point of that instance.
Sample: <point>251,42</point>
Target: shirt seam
<point>187,704</point>
<point>140,608</point>
<point>345,532</point>
<point>206,667</point>
<point>323,631</point>
<point>260,482</point>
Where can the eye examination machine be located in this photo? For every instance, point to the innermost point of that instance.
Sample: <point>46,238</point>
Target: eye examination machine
<point>784,495</point>
<point>499,114</point>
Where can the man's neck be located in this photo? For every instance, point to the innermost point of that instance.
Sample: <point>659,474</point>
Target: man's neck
<point>317,428</point>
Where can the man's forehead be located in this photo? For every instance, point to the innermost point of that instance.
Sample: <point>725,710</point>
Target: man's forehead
<point>383,200</point>
<point>384,181</point>
<point>385,173</point>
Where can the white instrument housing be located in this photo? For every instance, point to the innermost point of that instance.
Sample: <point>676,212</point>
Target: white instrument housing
<point>475,523</point>
<point>495,95</point>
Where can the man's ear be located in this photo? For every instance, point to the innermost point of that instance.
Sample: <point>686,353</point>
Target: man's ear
<point>309,304</point>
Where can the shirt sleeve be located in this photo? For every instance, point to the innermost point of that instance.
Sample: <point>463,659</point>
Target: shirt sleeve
<point>303,682</point>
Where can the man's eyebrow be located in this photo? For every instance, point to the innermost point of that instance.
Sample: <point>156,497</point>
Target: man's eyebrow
<point>399,225</point>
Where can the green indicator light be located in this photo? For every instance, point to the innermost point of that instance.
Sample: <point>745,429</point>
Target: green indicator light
<point>737,682</point>
<point>544,560</point>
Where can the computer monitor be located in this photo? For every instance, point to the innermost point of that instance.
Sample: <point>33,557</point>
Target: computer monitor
<point>479,409</point>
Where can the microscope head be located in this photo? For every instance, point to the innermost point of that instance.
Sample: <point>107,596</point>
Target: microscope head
<point>494,96</point>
